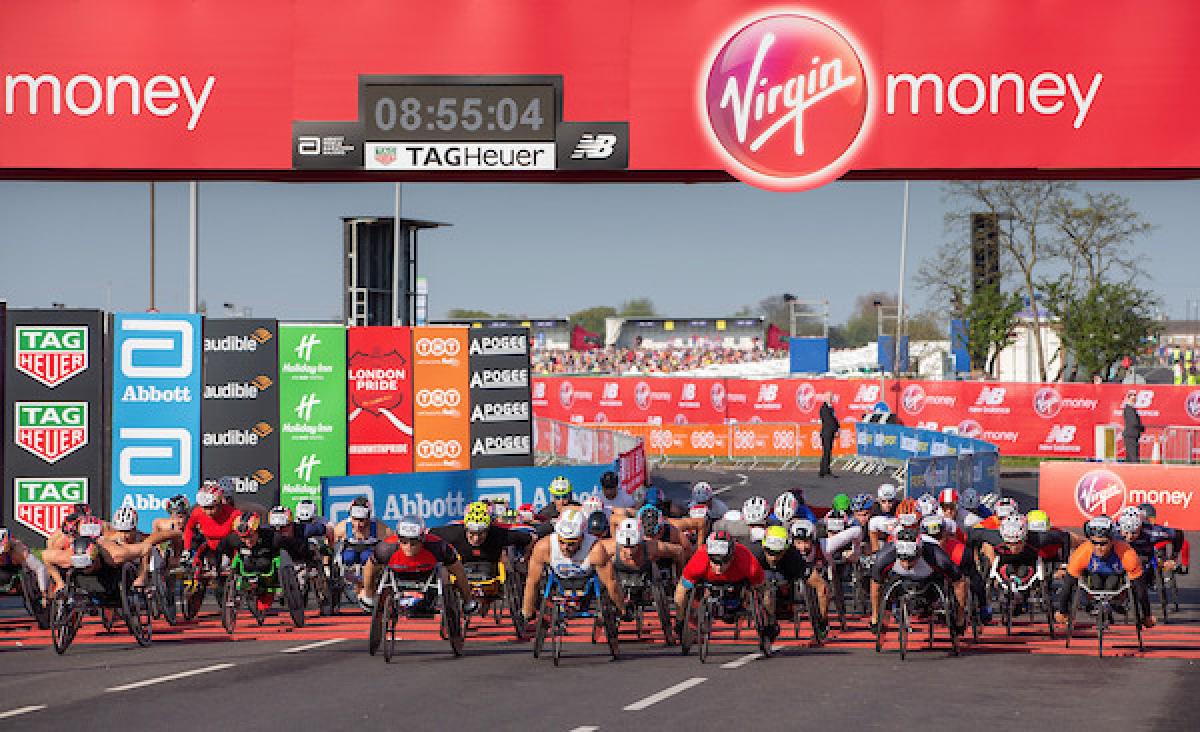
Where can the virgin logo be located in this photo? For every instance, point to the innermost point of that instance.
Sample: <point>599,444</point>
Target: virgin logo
<point>1192,405</point>
<point>913,399</point>
<point>786,101</point>
<point>1047,402</point>
<point>641,395</point>
<point>806,397</point>
<point>717,394</point>
<point>1099,492</point>
<point>566,394</point>
<point>970,428</point>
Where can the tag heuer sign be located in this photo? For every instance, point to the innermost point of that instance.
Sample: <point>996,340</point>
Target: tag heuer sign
<point>42,503</point>
<point>51,354</point>
<point>51,430</point>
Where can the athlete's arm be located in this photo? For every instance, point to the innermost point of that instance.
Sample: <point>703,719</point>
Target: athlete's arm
<point>538,558</point>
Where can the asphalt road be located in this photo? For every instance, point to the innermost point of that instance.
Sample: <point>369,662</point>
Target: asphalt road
<point>320,676</point>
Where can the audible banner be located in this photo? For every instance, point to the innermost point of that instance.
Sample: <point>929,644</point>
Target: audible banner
<point>156,410</point>
<point>441,423</point>
<point>312,409</point>
<point>379,399</point>
<point>53,417</point>
<point>240,416</point>
<point>501,426</point>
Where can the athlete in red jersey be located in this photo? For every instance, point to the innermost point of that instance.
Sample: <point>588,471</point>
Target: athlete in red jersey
<point>212,517</point>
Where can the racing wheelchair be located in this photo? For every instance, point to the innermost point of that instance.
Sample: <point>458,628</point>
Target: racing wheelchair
<point>244,587</point>
<point>92,586</point>
<point>411,595</point>
<point>708,602</point>
<point>905,599</point>
<point>571,593</point>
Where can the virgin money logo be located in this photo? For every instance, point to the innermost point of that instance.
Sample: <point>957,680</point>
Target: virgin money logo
<point>786,102</point>
<point>717,395</point>
<point>641,395</point>
<point>806,397</point>
<point>970,428</point>
<point>1100,492</point>
<point>913,399</point>
<point>1192,405</point>
<point>566,394</point>
<point>1047,402</point>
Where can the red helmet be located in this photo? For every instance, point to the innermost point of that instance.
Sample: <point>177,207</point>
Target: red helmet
<point>948,495</point>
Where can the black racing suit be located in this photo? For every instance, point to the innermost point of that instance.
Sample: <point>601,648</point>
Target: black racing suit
<point>258,559</point>
<point>933,564</point>
<point>790,565</point>
<point>491,551</point>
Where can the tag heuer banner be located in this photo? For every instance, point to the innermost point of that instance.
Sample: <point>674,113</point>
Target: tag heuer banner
<point>501,425</point>
<point>240,414</point>
<point>379,400</point>
<point>53,417</point>
<point>312,408</point>
<point>155,411</point>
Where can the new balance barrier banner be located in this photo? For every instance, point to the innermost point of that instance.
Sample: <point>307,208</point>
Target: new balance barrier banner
<point>441,498</point>
<point>312,408</point>
<point>1073,492</point>
<point>501,419</point>
<point>379,399</point>
<point>441,399</point>
<point>631,399</point>
<point>54,446</point>
<point>157,387</point>
<point>240,412</point>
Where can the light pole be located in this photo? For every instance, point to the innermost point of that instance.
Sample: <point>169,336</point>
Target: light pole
<point>900,289</point>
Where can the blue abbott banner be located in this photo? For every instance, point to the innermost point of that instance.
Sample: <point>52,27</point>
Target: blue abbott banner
<point>894,442</point>
<point>157,389</point>
<point>930,475</point>
<point>441,497</point>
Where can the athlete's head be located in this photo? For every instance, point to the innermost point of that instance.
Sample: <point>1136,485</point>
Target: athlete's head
<point>410,534</point>
<point>610,484</point>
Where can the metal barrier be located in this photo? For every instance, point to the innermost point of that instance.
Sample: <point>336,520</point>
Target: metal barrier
<point>746,444</point>
<point>1180,445</point>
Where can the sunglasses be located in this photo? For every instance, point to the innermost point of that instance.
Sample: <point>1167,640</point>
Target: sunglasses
<point>410,542</point>
<point>1101,542</point>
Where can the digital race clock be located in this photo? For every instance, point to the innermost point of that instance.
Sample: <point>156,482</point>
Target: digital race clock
<point>459,112</point>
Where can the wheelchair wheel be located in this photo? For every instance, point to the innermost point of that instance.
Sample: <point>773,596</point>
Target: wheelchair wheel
<point>704,629</point>
<point>108,618</point>
<point>1048,607</point>
<point>819,627</point>
<point>952,620</point>
<point>663,607</point>
<point>290,584</point>
<point>31,594</point>
<point>760,625</point>
<point>513,600</point>
<point>195,599</point>
<point>1137,620</point>
<point>229,608</point>
<point>902,629</point>
<point>556,629</point>
<point>136,607</point>
<point>452,616</point>
<point>391,618</point>
<point>608,614</point>
<point>687,630</point>
<point>163,587</point>
<point>375,636</point>
<point>1163,599</point>
<point>64,622</point>
<point>539,634</point>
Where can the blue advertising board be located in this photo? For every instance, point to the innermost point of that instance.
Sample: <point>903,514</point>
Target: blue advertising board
<point>808,355</point>
<point>896,442</point>
<point>157,387</point>
<point>441,497</point>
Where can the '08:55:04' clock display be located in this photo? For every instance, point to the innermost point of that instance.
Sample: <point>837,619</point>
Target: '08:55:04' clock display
<point>459,112</point>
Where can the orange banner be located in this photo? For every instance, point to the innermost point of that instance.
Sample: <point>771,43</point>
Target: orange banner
<point>760,439</point>
<point>745,440</point>
<point>1073,492</point>
<point>441,409</point>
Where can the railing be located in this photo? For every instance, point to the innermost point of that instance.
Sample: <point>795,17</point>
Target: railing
<point>1180,445</point>
<point>562,442</point>
<point>745,443</point>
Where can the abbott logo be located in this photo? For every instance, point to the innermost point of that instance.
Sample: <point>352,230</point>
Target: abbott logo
<point>339,510</point>
<point>786,101</point>
<point>171,444</point>
<point>176,337</point>
<point>439,449</point>
<point>438,398</point>
<point>438,347</point>
<point>305,349</point>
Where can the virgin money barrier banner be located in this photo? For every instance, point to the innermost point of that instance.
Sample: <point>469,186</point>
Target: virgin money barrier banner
<point>312,408</point>
<point>441,497</point>
<point>1073,492</point>
<point>441,416</point>
<point>501,415</point>
<point>54,447</point>
<point>239,416</point>
<point>379,399</point>
<point>156,394</point>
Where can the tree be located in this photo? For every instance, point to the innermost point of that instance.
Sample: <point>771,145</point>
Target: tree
<point>592,318</point>
<point>990,319</point>
<point>467,314</point>
<point>1097,234</point>
<point>1100,326</point>
<point>638,307</point>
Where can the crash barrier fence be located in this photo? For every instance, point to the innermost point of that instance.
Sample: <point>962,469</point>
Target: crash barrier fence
<point>1180,445</point>
<point>556,442</point>
<point>743,444</point>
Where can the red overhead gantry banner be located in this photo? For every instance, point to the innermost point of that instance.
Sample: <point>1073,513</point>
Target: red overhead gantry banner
<point>783,95</point>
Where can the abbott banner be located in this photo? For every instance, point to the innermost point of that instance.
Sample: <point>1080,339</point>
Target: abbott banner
<point>1074,492</point>
<point>441,399</point>
<point>155,410</point>
<point>379,399</point>
<point>501,422</point>
<point>240,415</point>
<point>440,498</point>
<point>312,408</point>
<point>53,418</point>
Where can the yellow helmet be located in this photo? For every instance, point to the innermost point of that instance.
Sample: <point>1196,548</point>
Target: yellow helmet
<point>776,539</point>
<point>477,517</point>
<point>1038,520</point>
<point>560,487</point>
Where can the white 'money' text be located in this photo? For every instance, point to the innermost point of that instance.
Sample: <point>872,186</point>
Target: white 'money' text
<point>969,93</point>
<point>84,95</point>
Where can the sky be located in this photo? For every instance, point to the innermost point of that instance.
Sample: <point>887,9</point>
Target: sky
<point>540,250</point>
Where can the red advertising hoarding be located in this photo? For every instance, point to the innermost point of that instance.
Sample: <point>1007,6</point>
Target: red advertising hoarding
<point>379,400</point>
<point>1073,492</point>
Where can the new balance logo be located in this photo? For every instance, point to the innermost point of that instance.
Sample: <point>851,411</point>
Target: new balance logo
<point>594,147</point>
<point>305,468</point>
<point>304,408</point>
<point>304,350</point>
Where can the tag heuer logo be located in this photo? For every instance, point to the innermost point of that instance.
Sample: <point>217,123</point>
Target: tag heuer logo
<point>42,503</point>
<point>51,430</point>
<point>385,154</point>
<point>51,354</point>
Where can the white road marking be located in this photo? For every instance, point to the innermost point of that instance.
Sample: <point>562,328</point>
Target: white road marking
<point>719,491</point>
<point>26,710</point>
<point>637,706</point>
<point>749,657</point>
<point>743,480</point>
<point>310,646</point>
<point>172,677</point>
<point>585,729</point>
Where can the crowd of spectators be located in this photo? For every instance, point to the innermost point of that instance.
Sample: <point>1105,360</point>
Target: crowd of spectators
<point>645,361</point>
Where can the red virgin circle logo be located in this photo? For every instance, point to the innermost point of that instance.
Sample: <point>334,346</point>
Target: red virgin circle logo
<point>786,101</point>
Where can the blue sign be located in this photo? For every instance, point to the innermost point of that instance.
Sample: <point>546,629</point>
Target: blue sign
<point>808,355</point>
<point>441,498</point>
<point>157,387</point>
<point>896,442</point>
<point>930,475</point>
<point>959,338</point>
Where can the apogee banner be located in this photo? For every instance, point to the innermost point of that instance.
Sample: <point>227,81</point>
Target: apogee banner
<point>441,399</point>
<point>379,399</point>
<point>501,416</point>
<point>157,385</point>
<point>240,414</point>
<point>54,451</point>
<point>312,408</point>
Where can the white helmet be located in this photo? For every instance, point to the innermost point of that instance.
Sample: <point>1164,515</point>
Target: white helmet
<point>125,519</point>
<point>207,496</point>
<point>803,529</point>
<point>785,506</point>
<point>570,524</point>
<point>629,533</point>
<point>908,521</point>
<point>698,511</point>
<point>835,522</point>
<point>733,515</point>
<point>1007,507</point>
<point>886,492</point>
<point>702,492</point>
<point>928,504</point>
<point>969,499</point>
<point>410,527</point>
<point>1014,528</point>
<point>306,510</point>
<point>592,504</point>
<point>989,499</point>
<point>1129,522</point>
<point>754,510</point>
